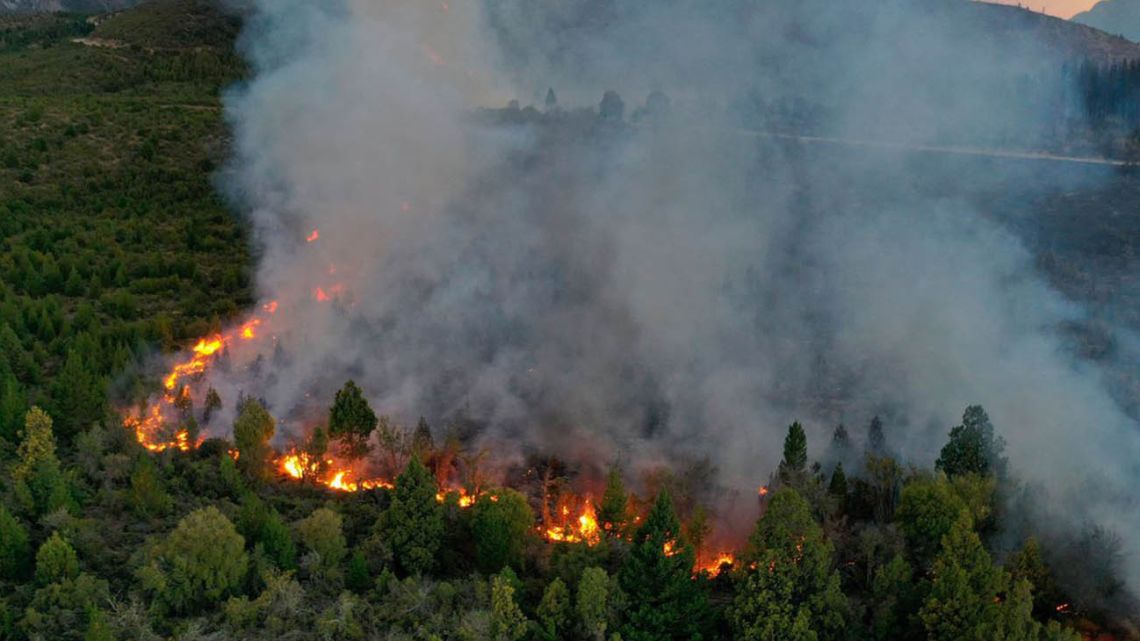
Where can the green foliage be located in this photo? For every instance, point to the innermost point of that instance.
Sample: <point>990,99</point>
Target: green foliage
<point>895,599</point>
<point>595,603</point>
<point>64,609</point>
<point>508,623</point>
<point>412,526</point>
<point>201,562</point>
<point>148,497</point>
<point>795,451</point>
<point>357,576</point>
<point>963,601</point>
<point>15,548</point>
<point>614,509</point>
<point>252,431</point>
<point>501,521</point>
<point>323,533</point>
<point>789,590</point>
<point>554,615</point>
<point>927,512</point>
<point>973,448</point>
<point>56,561</point>
<point>351,420</point>
<point>37,445</point>
<point>665,602</point>
<point>39,479</point>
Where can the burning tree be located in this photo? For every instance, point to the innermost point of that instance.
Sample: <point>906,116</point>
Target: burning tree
<point>352,421</point>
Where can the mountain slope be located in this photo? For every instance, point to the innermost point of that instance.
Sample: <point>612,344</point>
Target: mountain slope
<point>1114,16</point>
<point>1069,39</point>
<point>76,6</point>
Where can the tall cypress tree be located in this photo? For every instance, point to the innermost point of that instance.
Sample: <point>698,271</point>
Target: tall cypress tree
<point>413,524</point>
<point>665,601</point>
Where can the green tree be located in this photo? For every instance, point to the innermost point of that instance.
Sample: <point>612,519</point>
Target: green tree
<point>148,497</point>
<point>963,602</point>
<point>252,430</point>
<point>895,600</point>
<point>665,601</point>
<point>198,564</point>
<point>56,560</point>
<point>323,532</point>
<point>789,590</point>
<point>973,447</point>
<point>501,521</point>
<point>351,420</point>
<point>37,444</point>
<point>78,396</point>
<point>554,610</point>
<point>614,509</point>
<point>595,594</point>
<point>412,526</point>
<point>357,576</point>
<point>13,406</point>
<point>1028,564</point>
<point>795,452</point>
<point>928,510</point>
<point>15,549</point>
<point>508,623</point>
<point>39,480</point>
<point>837,487</point>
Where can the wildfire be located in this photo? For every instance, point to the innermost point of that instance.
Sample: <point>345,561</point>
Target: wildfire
<point>762,491</point>
<point>314,236</point>
<point>723,561</point>
<point>583,529</point>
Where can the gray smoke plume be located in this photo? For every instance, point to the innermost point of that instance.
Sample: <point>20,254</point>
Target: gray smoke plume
<point>669,284</point>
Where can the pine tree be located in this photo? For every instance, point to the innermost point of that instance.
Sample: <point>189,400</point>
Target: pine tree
<point>413,524</point>
<point>963,601</point>
<point>15,548</point>
<point>351,420</point>
<point>789,590</point>
<point>876,438</point>
<point>973,447</point>
<point>252,430</point>
<point>56,560</point>
<point>554,610</point>
<point>665,602</point>
<point>508,623</point>
<point>500,523</point>
<point>613,511</point>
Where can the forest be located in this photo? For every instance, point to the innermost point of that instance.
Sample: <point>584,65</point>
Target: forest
<point>117,245</point>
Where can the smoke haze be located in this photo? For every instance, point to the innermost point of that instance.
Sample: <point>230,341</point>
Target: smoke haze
<point>665,290</point>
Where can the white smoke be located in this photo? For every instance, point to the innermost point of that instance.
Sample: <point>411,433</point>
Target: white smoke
<point>673,290</point>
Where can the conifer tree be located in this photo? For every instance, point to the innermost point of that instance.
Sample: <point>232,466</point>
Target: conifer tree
<point>413,524</point>
<point>789,590</point>
<point>664,600</point>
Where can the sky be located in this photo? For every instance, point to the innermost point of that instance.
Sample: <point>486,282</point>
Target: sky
<point>1060,8</point>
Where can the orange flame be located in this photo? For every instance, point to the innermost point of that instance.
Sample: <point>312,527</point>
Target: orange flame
<point>583,529</point>
<point>723,561</point>
<point>314,236</point>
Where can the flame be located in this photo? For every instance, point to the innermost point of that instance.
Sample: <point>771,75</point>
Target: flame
<point>763,490</point>
<point>581,529</point>
<point>270,307</point>
<point>1063,608</point>
<point>314,236</point>
<point>723,561</point>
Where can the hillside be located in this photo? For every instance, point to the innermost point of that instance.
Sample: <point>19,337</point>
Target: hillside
<point>1114,16</point>
<point>1068,39</point>
<point>75,6</point>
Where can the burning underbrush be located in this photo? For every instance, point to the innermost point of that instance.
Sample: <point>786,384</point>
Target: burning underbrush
<point>181,418</point>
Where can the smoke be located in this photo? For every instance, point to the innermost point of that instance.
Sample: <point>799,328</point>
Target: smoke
<point>676,288</point>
